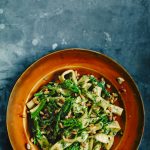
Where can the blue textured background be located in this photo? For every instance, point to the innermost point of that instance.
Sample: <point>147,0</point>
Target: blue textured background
<point>30,29</point>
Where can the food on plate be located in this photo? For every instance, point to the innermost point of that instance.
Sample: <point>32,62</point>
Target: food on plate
<point>75,112</point>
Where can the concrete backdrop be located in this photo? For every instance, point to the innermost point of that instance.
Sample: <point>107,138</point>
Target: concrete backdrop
<point>30,29</point>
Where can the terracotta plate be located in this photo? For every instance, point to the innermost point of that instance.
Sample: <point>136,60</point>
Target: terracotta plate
<point>86,62</point>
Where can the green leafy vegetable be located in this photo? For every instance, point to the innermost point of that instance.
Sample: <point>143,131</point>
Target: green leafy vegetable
<point>68,84</point>
<point>62,113</point>
<point>39,108</point>
<point>74,146</point>
<point>100,84</point>
<point>66,107</point>
<point>72,122</point>
<point>38,94</point>
<point>37,128</point>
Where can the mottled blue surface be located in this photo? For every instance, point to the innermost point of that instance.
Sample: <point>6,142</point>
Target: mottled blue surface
<point>30,29</point>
